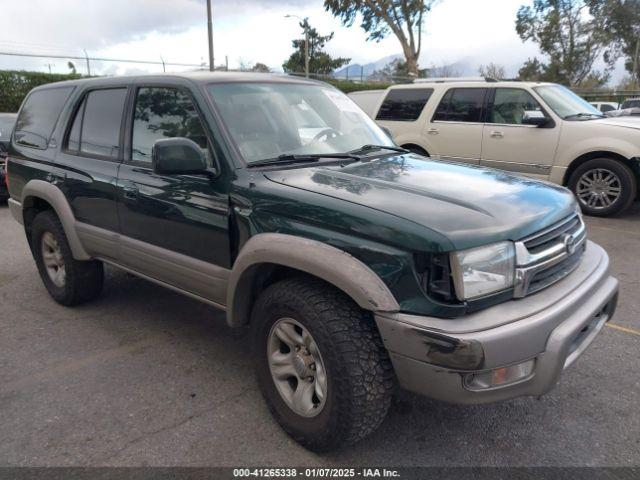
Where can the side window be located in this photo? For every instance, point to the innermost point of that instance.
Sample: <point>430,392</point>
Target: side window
<point>510,104</point>
<point>404,104</point>
<point>96,126</point>
<point>461,105</point>
<point>606,108</point>
<point>164,113</point>
<point>38,116</point>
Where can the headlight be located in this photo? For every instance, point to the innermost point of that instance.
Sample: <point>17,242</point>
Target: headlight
<point>480,271</point>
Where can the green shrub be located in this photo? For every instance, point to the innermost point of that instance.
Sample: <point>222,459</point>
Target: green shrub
<point>14,85</point>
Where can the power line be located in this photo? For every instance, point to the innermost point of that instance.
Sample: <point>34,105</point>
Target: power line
<point>99,59</point>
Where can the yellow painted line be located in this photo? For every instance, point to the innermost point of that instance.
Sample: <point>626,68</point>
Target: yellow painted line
<point>623,329</point>
<point>616,230</point>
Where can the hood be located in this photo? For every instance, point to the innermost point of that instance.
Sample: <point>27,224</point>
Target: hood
<point>469,205</point>
<point>621,121</point>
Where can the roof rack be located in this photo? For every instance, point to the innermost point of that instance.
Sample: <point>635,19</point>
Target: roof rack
<point>454,79</point>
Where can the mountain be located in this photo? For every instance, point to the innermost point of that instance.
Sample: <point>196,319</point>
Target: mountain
<point>356,69</point>
<point>462,68</point>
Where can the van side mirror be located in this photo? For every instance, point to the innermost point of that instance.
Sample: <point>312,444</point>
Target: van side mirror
<point>535,118</point>
<point>387,131</point>
<point>178,156</point>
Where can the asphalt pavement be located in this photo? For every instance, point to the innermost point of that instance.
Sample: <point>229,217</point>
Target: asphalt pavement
<point>144,376</point>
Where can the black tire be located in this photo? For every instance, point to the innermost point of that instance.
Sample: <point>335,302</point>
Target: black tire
<point>83,280</point>
<point>626,181</point>
<point>360,376</point>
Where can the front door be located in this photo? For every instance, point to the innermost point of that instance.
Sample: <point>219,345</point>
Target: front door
<point>455,132</point>
<point>174,227</point>
<point>507,144</point>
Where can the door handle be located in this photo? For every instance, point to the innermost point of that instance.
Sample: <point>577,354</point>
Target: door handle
<point>433,131</point>
<point>496,134</point>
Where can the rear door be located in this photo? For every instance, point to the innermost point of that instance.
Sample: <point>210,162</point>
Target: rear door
<point>89,160</point>
<point>174,227</point>
<point>508,144</point>
<point>401,112</point>
<point>455,131</point>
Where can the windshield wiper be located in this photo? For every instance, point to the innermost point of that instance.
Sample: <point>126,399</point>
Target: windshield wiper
<point>583,115</point>
<point>371,148</point>
<point>288,158</point>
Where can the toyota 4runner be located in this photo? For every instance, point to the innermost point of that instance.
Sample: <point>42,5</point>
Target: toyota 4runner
<point>357,265</point>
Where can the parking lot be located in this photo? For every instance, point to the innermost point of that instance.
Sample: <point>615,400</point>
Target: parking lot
<point>144,376</point>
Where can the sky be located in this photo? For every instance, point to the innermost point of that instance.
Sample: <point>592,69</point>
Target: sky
<point>245,32</point>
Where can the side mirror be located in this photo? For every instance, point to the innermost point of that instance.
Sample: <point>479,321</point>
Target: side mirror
<point>178,156</point>
<point>387,131</point>
<point>535,118</point>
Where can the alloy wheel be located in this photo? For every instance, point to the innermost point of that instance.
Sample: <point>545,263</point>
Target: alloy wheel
<point>296,367</point>
<point>598,188</point>
<point>53,259</point>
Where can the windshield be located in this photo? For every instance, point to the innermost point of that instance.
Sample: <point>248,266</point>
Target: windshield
<point>271,119</point>
<point>566,103</point>
<point>6,125</point>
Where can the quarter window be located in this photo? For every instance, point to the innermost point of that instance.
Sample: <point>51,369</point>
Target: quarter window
<point>164,113</point>
<point>510,104</point>
<point>461,105</point>
<point>38,116</point>
<point>404,104</point>
<point>96,126</point>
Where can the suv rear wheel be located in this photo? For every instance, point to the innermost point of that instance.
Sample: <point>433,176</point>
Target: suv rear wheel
<point>67,280</point>
<point>320,363</point>
<point>603,186</point>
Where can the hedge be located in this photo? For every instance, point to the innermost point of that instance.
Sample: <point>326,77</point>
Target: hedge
<point>14,85</point>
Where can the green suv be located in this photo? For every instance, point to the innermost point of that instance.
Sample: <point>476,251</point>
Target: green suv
<point>357,266</point>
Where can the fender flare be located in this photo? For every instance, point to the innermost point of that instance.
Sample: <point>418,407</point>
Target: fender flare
<point>335,266</point>
<point>54,196</point>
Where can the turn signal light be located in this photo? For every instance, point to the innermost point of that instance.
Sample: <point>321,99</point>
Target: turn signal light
<point>500,376</point>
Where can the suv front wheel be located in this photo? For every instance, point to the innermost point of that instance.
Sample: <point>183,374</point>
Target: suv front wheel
<point>603,186</point>
<point>320,363</point>
<point>68,281</point>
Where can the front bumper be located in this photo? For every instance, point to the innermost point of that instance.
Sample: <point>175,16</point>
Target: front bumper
<point>437,357</point>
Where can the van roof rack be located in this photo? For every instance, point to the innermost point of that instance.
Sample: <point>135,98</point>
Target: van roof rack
<point>454,79</point>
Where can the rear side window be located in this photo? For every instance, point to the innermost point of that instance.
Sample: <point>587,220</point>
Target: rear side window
<point>38,116</point>
<point>96,126</point>
<point>606,108</point>
<point>404,104</point>
<point>461,105</point>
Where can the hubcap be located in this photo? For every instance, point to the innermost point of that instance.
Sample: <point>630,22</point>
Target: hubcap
<point>52,258</point>
<point>296,367</point>
<point>599,188</point>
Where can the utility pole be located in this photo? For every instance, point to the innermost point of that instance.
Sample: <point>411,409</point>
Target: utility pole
<point>210,31</point>
<point>305,22</point>
<point>86,56</point>
<point>635,63</point>
<point>306,47</point>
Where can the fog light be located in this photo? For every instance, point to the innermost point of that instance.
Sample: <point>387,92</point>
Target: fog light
<point>500,376</point>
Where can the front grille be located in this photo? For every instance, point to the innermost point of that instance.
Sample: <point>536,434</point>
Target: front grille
<point>551,275</point>
<point>549,255</point>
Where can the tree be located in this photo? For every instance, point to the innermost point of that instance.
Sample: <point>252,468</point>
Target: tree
<point>619,23</point>
<point>260,67</point>
<point>492,70</point>
<point>72,67</point>
<point>319,60</point>
<point>532,71</point>
<point>403,18</point>
<point>442,71</point>
<point>391,71</point>
<point>571,41</point>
